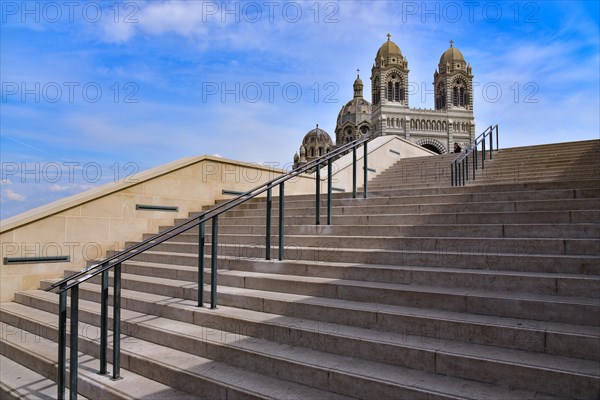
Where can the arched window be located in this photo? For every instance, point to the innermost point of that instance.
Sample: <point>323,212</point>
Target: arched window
<point>376,94</point>
<point>395,88</point>
<point>312,151</point>
<point>440,96</point>
<point>459,93</point>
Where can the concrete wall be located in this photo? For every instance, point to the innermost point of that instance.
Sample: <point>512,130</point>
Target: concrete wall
<point>88,224</point>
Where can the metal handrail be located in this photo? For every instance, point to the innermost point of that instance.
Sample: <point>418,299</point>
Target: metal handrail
<point>161,237</point>
<point>459,167</point>
<point>72,282</point>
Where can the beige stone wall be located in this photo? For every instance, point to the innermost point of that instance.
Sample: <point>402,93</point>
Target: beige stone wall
<point>86,225</point>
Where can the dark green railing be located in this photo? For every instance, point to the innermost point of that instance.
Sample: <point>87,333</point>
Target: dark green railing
<point>459,167</point>
<point>71,283</point>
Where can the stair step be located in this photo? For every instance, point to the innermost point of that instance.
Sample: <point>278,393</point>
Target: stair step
<point>19,383</point>
<point>434,198</point>
<point>322,368</point>
<point>562,230</point>
<point>525,262</point>
<point>187,372</point>
<point>499,206</point>
<point>337,316</point>
<point>570,310</point>
<point>36,350</point>
<point>492,280</point>
<point>515,246</point>
<point>526,217</point>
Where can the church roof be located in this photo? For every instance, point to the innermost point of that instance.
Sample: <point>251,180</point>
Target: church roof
<point>388,49</point>
<point>355,111</point>
<point>317,135</point>
<point>451,55</point>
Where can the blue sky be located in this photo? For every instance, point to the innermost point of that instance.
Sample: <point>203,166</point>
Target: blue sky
<point>99,90</point>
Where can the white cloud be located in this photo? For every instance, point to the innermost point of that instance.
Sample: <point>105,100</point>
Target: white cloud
<point>86,187</point>
<point>7,182</point>
<point>158,18</point>
<point>58,188</point>
<point>13,195</point>
<point>72,187</point>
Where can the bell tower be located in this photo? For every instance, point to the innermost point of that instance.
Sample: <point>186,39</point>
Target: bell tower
<point>453,81</point>
<point>389,85</point>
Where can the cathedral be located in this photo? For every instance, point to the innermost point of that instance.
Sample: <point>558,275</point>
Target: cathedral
<point>389,113</point>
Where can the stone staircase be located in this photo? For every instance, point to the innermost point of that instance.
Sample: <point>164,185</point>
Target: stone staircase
<point>421,291</point>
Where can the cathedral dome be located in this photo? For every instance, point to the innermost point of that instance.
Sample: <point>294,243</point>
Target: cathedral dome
<point>355,111</point>
<point>316,136</point>
<point>316,143</point>
<point>452,56</point>
<point>388,49</point>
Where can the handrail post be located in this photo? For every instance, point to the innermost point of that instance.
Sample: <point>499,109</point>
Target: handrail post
<point>281,217</point>
<point>201,244</point>
<point>467,166</point>
<point>497,142</point>
<point>452,173</point>
<point>318,195</point>
<point>366,171</point>
<point>462,169</point>
<point>456,174</point>
<point>117,323</point>
<point>474,163</point>
<point>268,227</point>
<point>354,172</point>
<point>74,333</point>
<point>483,154</point>
<point>491,142</point>
<point>103,321</point>
<point>62,343</point>
<point>329,192</point>
<point>213,262</point>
